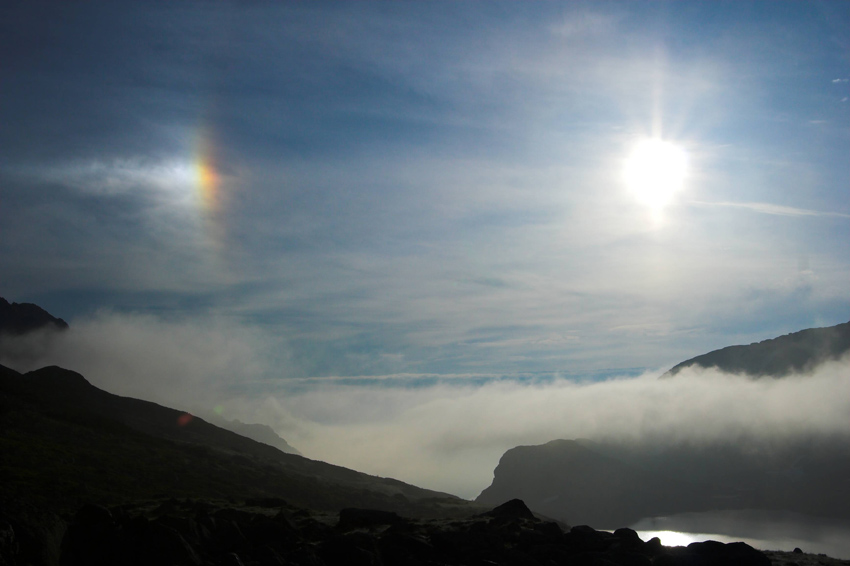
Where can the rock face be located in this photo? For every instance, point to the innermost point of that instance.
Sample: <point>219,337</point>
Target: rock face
<point>195,533</point>
<point>777,357</point>
<point>21,318</point>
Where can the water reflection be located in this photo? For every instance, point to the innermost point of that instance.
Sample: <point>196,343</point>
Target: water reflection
<point>760,529</point>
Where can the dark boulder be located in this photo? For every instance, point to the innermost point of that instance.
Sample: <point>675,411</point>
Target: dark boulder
<point>513,509</point>
<point>712,552</point>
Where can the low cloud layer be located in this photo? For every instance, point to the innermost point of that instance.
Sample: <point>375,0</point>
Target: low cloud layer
<point>444,433</point>
<point>451,436</point>
<point>179,363</point>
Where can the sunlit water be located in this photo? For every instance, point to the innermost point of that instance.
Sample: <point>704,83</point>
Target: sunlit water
<point>759,529</point>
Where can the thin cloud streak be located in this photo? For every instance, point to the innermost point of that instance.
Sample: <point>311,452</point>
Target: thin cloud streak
<point>775,209</point>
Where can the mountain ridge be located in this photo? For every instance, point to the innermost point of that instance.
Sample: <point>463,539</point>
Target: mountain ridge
<point>62,396</point>
<point>776,357</point>
<point>20,318</point>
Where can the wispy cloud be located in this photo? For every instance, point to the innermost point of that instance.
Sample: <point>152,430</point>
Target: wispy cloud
<point>422,189</point>
<point>775,209</point>
<point>187,364</point>
<point>118,176</point>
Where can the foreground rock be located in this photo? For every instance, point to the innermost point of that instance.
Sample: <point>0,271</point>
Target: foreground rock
<point>272,533</point>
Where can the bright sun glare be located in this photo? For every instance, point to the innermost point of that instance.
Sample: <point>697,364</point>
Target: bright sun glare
<point>655,170</point>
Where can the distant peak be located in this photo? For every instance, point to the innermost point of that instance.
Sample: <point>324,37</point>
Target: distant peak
<point>21,318</point>
<point>776,357</point>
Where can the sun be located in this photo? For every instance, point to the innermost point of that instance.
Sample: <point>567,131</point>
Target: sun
<point>655,171</point>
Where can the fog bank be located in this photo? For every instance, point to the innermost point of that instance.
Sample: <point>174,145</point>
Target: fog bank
<point>446,434</point>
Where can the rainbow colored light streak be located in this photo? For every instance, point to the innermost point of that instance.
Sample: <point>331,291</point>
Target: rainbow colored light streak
<point>207,177</point>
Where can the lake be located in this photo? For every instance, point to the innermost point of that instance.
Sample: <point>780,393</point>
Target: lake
<point>761,529</point>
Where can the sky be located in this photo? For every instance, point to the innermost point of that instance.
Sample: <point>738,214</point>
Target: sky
<point>310,210</point>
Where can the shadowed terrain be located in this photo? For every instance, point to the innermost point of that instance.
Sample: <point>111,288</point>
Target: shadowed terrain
<point>66,443</point>
<point>90,478</point>
<point>275,533</point>
<point>171,452</point>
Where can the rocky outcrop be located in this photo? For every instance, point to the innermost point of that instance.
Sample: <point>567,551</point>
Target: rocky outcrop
<point>195,533</point>
<point>778,357</point>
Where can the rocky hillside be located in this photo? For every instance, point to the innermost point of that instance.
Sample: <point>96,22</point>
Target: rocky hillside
<point>52,407</point>
<point>776,357</point>
<point>66,443</point>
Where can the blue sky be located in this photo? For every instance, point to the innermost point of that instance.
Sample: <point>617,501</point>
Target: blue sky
<point>430,188</point>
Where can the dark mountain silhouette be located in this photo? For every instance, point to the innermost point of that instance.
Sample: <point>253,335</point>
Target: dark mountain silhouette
<point>65,443</point>
<point>614,484</point>
<point>27,332</point>
<point>777,357</point>
<point>20,318</point>
<point>566,480</point>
